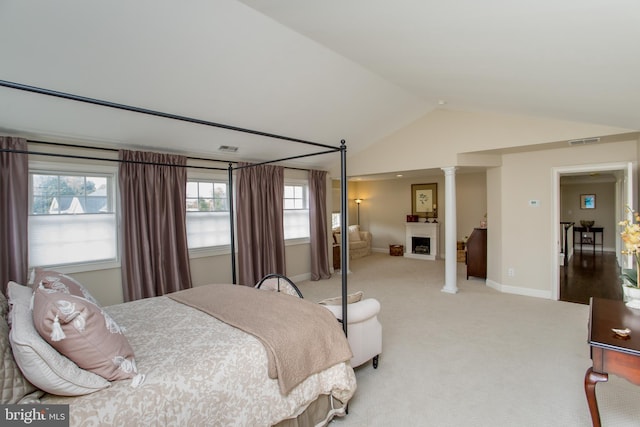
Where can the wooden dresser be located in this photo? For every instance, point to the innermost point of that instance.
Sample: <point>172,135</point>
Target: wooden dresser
<point>477,253</point>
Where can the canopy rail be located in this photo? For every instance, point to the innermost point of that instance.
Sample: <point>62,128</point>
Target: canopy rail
<point>156,113</point>
<point>342,149</point>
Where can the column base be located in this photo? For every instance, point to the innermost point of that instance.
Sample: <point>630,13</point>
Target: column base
<point>449,290</point>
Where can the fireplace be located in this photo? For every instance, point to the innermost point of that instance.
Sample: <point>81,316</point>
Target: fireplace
<point>421,245</point>
<point>422,240</point>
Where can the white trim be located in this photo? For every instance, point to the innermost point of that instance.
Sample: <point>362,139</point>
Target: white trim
<point>58,168</point>
<point>516,290</point>
<point>629,170</point>
<point>42,166</point>
<point>84,267</point>
<point>301,277</point>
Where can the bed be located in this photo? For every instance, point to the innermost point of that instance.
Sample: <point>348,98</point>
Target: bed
<point>202,371</point>
<point>199,370</point>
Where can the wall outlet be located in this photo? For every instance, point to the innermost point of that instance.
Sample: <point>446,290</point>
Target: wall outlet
<point>511,272</point>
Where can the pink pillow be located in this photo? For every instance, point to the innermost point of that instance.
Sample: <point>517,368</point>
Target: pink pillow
<point>60,282</point>
<point>84,333</point>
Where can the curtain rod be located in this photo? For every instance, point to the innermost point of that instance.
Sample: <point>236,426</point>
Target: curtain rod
<point>125,107</point>
<point>102,159</point>
<point>62,144</point>
<point>115,150</point>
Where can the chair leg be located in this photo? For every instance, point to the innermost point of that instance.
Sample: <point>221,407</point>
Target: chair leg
<point>375,361</point>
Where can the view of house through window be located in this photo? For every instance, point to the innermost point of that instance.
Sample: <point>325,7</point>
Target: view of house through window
<point>72,218</point>
<point>207,214</point>
<point>72,215</point>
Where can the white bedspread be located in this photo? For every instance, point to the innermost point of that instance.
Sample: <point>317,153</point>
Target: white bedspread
<point>199,372</point>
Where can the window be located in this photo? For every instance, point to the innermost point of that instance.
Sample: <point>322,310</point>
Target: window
<point>296,211</point>
<point>336,218</point>
<point>72,217</point>
<point>207,214</point>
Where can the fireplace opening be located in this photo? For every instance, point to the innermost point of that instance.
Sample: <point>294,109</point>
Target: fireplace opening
<point>421,245</point>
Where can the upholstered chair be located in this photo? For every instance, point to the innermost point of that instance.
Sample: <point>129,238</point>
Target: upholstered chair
<point>364,331</point>
<point>359,242</point>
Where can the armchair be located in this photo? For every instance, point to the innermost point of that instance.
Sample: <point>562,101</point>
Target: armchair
<point>364,331</point>
<point>359,242</point>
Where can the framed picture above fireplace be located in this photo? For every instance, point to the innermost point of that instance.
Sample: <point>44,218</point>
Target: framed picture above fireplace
<point>424,198</point>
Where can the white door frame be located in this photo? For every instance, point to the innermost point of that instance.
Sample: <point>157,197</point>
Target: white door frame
<point>625,196</point>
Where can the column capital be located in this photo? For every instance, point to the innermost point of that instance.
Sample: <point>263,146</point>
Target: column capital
<point>449,170</point>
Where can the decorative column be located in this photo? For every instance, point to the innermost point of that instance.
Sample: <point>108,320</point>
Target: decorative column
<point>450,232</point>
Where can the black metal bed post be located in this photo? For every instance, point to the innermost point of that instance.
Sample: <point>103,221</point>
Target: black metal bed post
<point>231,225</point>
<point>343,230</point>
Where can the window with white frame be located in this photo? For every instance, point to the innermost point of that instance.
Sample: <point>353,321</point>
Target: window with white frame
<point>72,215</point>
<point>336,217</point>
<point>296,211</point>
<point>207,213</point>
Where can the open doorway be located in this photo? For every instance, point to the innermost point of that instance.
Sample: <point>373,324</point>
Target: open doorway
<point>596,256</point>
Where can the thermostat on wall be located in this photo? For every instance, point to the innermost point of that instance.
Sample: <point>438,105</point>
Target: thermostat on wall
<point>534,203</point>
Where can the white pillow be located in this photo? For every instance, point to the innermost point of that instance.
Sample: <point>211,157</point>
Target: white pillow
<point>354,233</point>
<point>40,363</point>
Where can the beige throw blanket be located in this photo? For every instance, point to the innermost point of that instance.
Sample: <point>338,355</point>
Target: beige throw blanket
<point>301,338</point>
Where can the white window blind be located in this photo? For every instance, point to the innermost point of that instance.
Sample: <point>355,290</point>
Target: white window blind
<point>207,214</point>
<point>296,211</point>
<point>72,218</point>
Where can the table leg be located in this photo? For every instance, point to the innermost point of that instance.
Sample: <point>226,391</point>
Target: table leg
<point>590,380</point>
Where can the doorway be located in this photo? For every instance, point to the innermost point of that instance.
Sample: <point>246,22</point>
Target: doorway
<point>590,267</point>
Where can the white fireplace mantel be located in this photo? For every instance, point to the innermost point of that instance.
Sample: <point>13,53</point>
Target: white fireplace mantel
<point>424,230</point>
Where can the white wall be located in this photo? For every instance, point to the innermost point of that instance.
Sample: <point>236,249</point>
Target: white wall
<point>523,238</point>
<point>437,139</point>
<point>386,203</point>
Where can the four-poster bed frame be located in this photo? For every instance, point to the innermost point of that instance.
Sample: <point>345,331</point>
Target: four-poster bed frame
<point>328,149</point>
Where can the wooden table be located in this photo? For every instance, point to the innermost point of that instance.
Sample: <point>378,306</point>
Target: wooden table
<point>611,354</point>
<point>582,231</point>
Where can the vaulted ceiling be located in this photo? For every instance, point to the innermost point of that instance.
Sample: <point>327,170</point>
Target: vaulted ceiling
<point>314,70</point>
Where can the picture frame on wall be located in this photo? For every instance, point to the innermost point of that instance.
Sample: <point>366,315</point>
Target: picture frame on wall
<point>587,201</point>
<point>424,199</point>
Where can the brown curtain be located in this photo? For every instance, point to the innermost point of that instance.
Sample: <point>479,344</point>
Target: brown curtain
<point>14,211</point>
<point>155,258</point>
<point>260,202</point>
<point>318,225</point>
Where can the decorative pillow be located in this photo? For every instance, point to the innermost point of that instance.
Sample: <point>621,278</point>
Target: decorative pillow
<point>60,282</point>
<point>351,298</point>
<point>40,363</point>
<point>13,385</point>
<point>354,233</point>
<point>83,332</point>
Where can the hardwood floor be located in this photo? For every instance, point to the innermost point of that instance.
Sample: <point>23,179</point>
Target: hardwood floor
<point>588,275</point>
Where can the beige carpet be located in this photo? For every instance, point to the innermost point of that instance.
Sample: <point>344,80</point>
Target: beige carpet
<point>476,358</point>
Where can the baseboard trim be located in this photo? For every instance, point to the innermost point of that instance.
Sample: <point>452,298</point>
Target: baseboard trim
<point>538,293</point>
<point>300,277</point>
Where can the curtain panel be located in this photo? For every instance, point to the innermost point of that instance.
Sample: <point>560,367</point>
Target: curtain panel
<point>318,225</point>
<point>14,211</point>
<point>259,213</point>
<point>155,256</point>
